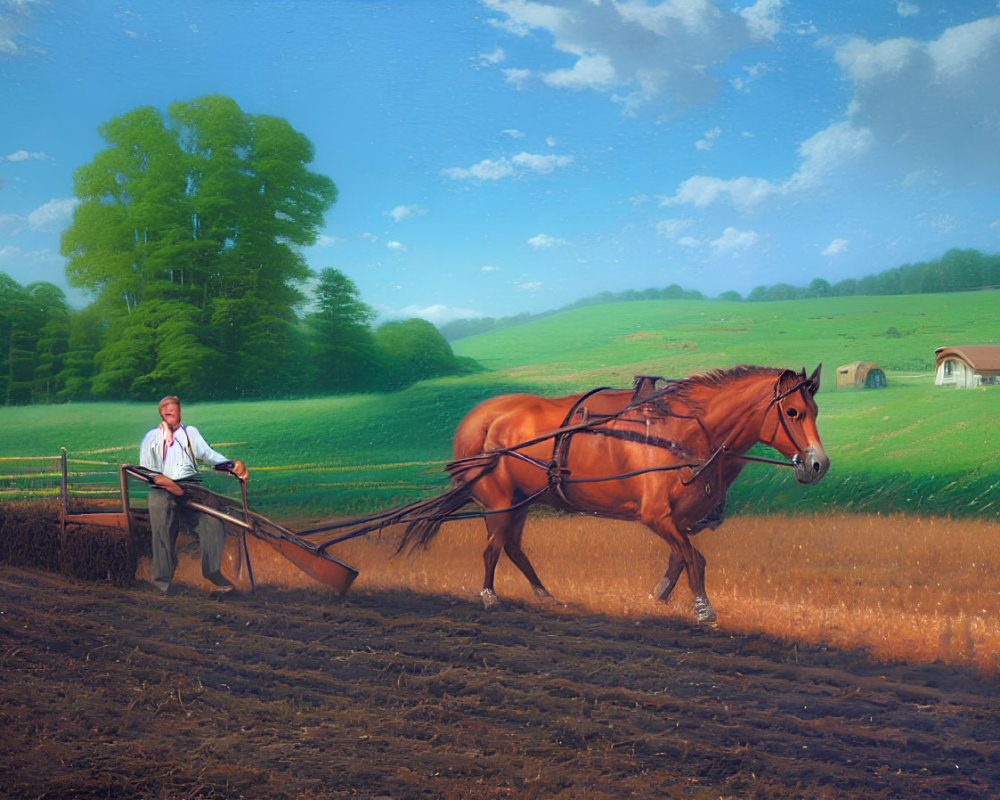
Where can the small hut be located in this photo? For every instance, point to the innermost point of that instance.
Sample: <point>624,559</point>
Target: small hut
<point>861,375</point>
<point>968,366</point>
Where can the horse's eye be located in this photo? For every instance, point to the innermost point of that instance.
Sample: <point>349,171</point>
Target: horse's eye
<point>792,413</point>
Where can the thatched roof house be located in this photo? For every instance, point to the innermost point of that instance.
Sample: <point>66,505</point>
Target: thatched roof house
<point>861,374</point>
<point>968,365</point>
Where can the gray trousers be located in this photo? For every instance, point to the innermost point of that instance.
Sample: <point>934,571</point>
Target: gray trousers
<point>166,516</point>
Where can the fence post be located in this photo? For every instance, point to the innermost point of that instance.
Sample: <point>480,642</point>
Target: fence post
<point>63,491</point>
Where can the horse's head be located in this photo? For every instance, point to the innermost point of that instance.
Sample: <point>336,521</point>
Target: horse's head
<point>790,424</point>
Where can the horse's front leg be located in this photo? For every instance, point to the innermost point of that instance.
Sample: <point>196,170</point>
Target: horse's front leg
<point>703,610</point>
<point>683,555</point>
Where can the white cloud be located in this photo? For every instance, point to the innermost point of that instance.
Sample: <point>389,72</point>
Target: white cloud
<point>733,240</point>
<point>708,141</point>
<point>925,108</point>
<point>485,170</point>
<point>824,152</point>
<point>513,133</point>
<point>436,314</point>
<point>637,53</point>
<point>541,163</point>
<point>327,241</point>
<point>550,141</point>
<point>399,247</point>
<point>589,72</point>
<point>819,156</point>
<point>52,216</point>
<point>11,224</point>
<point>543,241</point>
<point>752,74</point>
<point>370,237</point>
<point>905,9</point>
<point>529,286</point>
<point>518,165</point>
<point>489,268</point>
<point>24,155</point>
<point>744,193</point>
<point>836,247</point>
<point>930,105</point>
<point>491,59</point>
<point>763,18</point>
<point>689,241</point>
<point>518,78</point>
<point>399,213</point>
<point>14,18</point>
<point>9,252</point>
<point>671,228</point>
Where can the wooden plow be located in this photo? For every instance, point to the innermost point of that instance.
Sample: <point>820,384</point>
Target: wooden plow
<point>132,520</point>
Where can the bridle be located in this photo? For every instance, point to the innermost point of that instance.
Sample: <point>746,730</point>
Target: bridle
<point>803,385</point>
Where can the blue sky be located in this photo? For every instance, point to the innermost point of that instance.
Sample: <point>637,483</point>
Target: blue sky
<point>505,156</point>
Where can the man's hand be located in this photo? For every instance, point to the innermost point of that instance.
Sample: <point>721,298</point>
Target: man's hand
<point>166,483</point>
<point>239,470</point>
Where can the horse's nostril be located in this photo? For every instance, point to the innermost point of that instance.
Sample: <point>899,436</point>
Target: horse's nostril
<point>817,466</point>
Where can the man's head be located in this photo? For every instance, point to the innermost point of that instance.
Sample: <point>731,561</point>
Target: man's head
<point>170,411</point>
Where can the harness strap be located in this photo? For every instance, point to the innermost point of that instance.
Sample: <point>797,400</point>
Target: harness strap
<point>560,449</point>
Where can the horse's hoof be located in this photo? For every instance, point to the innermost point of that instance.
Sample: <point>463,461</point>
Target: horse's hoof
<point>542,594</point>
<point>703,611</point>
<point>663,590</point>
<point>490,599</point>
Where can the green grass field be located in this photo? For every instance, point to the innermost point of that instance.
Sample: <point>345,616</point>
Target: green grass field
<point>911,447</point>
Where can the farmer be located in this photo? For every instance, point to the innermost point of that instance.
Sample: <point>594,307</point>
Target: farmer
<point>173,450</point>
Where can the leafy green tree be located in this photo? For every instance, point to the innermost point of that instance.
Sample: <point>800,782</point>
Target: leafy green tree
<point>33,335</point>
<point>206,206</point>
<point>819,288</point>
<point>259,341</point>
<point>342,347</point>
<point>411,351</point>
<point>78,363</point>
<point>846,288</point>
<point>51,340</point>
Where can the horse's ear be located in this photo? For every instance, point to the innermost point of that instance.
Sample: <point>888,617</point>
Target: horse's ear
<point>814,379</point>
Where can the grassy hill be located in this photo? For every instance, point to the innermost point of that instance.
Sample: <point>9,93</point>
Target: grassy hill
<point>911,447</point>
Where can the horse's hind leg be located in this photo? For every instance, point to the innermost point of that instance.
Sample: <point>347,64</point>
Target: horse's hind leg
<point>514,552</point>
<point>667,583</point>
<point>504,535</point>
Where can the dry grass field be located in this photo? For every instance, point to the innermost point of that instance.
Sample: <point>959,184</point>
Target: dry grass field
<point>901,588</point>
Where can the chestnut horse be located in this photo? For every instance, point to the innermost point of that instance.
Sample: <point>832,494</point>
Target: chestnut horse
<point>664,457</point>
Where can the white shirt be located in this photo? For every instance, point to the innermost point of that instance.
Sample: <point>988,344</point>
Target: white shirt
<point>179,460</point>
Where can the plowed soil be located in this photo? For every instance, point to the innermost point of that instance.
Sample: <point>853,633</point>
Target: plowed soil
<point>109,692</point>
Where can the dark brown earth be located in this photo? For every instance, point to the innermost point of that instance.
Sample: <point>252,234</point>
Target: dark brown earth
<point>112,692</point>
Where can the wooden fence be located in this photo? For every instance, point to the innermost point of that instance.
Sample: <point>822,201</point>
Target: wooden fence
<point>35,477</point>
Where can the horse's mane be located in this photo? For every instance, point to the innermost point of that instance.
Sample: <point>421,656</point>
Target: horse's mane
<point>688,390</point>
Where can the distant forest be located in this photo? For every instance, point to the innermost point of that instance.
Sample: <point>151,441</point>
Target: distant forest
<point>956,271</point>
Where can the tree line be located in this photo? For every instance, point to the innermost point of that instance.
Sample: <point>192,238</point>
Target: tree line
<point>188,233</point>
<point>956,271</point>
<point>51,353</point>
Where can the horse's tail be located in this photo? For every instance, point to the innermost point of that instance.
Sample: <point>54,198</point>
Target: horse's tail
<point>424,518</point>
